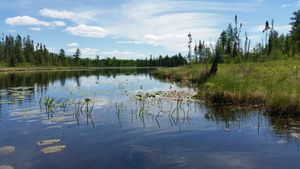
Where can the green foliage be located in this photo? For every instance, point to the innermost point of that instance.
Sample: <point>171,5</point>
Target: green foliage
<point>276,46</point>
<point>274,83</point>
<point>25,53</point>
<point>295,32</point>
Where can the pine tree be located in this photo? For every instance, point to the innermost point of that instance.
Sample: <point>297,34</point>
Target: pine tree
<point>196,53</point>
<point>28,49</point>
<point>295,32</point>
<point>62,54</point>
<point>77,56</point>
<point>1,48</point>
<point>19,50</point>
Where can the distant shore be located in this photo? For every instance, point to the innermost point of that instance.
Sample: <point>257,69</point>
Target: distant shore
<point>30,69</point>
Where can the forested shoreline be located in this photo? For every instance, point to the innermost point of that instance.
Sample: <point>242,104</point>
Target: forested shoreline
<point>17,51</point>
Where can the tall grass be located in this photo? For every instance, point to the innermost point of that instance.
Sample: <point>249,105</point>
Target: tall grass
<point>190,73</point>
<point>275,84</point>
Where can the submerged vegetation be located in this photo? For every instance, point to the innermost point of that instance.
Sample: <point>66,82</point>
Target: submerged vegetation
<point>66,110</point>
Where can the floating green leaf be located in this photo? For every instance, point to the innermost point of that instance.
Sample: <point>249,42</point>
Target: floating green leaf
<point>53,149</point>
<point>47,142</point>
<point>6,150</point>
<point>296,135</point>
<point>57,119</point>
<point>6,167</point>
<point>55,127</point>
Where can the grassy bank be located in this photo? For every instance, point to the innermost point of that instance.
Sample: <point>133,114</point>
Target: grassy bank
<point>273,84</point>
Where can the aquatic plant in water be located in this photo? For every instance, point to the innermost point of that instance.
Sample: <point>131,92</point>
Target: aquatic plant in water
<point>53,149</point>
<point>6,167</point>
<point>48,142</point>
<point>7,150</point>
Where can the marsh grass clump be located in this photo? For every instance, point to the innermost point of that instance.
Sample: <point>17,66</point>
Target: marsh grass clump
<point>169,103</point>
<point>48,102</point>
<point>284,105</point>
<point>225,98</point>
<point>59,110</point>
<point>185,74</point>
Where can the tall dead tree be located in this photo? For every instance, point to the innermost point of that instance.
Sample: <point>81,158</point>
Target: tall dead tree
<point>190,47</point>
<point>267,27</point>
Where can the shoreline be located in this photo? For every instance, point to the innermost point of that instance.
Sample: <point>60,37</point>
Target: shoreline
<point>33,69</point>
<point>274,85</point>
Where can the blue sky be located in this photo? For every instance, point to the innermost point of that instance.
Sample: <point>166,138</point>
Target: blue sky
<point>137,28</point>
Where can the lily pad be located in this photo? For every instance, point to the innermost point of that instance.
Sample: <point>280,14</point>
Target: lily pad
<point>53,149</point>
<point>6,167</point>
<point>48,142</point>
<point>296,135</point>
<point>6,150</point>
<point>26,114</point>
<point>282,141</point>
<point>55,127</point>
<point>57,119</point>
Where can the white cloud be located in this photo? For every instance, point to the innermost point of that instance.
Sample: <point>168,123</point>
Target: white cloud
<point>57,23</point>
<point>87,31</point>
<point>85,17</point>
<point>30,21</point>
<point>159,22</point>
<point>151,37</point>
<point>78,17</point>
<point>85,52</point>
<point>167,23</point>
<point>35,29</point>
<point>122,54</point>
<point>280,28</point>
<point>92,52</point>
<point>73,44</point>
<point>11,31</point>
<point>53,50</point>
<point>130,42</point>
<point>25,20</point>
<point>285,5</point>
<point>52,13</point>
<point>283,28</point>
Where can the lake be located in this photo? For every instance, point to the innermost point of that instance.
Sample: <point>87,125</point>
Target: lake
<point>125,118</point>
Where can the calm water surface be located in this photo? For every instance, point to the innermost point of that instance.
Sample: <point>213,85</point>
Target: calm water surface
<point>125,131</point>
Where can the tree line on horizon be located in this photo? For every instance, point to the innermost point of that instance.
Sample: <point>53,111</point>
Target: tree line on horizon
<point>23,52</point>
